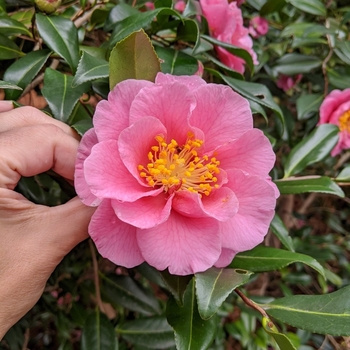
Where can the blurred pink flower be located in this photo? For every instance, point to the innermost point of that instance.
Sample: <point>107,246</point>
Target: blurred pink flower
<point>149,5</point>
<point>179,174</point>
<point>226,24</point>
<point>258,26</point>
<point>180,5</point>
<point>286,82</point>
<point>238,2</point>
<point>200,70</point>
<point>335,109</point>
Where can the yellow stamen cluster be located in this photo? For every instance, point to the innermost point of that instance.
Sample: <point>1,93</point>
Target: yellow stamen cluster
<point>179,167</point>
<point>344,121</point>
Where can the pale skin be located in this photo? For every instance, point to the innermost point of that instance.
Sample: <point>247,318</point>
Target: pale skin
<point>33,238</point>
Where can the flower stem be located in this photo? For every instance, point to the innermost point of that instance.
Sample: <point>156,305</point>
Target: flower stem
<point>251,303</point>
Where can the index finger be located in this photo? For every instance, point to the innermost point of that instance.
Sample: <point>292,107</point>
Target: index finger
<point>25,116</point>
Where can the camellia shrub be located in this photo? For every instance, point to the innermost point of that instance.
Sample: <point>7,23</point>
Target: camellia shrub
<point>215,146</point>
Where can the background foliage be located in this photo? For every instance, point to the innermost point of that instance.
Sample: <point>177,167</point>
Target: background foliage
<point>292,291</point>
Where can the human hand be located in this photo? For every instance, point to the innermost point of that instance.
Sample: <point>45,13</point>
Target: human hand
<point>33,238</point>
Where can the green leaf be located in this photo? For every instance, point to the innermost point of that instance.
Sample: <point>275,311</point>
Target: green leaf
<point>281,339</point>
<point>24,16</point>
<point>176,62</point>
<point>8,49</point>
<point>308,104</point>
<point>278,228</point>
<point>188,31</point>
<point>324,314</point>
<point>191,331</point>
<point>311,149</point>
<point>272,6</point>
<point>9,26</point>
<point>344,175</point>
<point>60,35</point>
<point>123,290</point>
<point>90,68</point>
<point>152,332</point>
<point>133,58</point>
<point>136,22</point>
<point>255,92</point>
<point>314,7</point>
<point>8,85</point>
<point>322,184</point>
<point>176,285</point>
<point>59,93</point>
<point>237,51</point>
<point>339,77</point>
<point>24,70</point>
<point>98,333</point>
<point>214,286</point>
<point>343,51</point>
<point>295,63</point>
<point>263,258</point>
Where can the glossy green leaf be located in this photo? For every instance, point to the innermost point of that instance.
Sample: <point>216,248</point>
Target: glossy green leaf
<point>136,22</point>
<point>272,6</point>
<point>278,228</point>
<point>237,51</point>
<point>343,51</point>
<point>81,118</point>
<point>344,175</point>
<point>59,93</point>
<point>9,26</point>
<point>8,49</point>
<point>24,70</point>
<point>315,7</point>
<point>214,286</point>
<point>98,333</point>
<point>215,72</point>
<point>133,58</point>
<point>90,68</point>
<point>308,104</point>
<point>258,93</point>
<point>339,77</point>
<point>324,314</point>
<point>188,31</point>
<point>123,290</point>
<point>8,85</point>
<point>176,285</point>
<point>191,331</point>
<point>295,63</point>
<point>118,13</point>
<point>24,16</point>
<point>321,184</point>
<point>176,62</point>
<point>263,258</point>
<point>60,35</point>
<point>152,332</point>
<point>311,149</point>
<point>281,339</point>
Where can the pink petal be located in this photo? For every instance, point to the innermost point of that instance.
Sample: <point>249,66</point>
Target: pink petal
<point>192,82</point>
<point>81,187</point>
<point>225,258</point>
<point>251,153</point>
<point>222,115</point>
<point>146,212</point>
<point>170,103</point>
<point>112,116</point>
<point>215,11</point>
<point>184,245</point>
<point>221,204</point>
<point>114,239</point>
<point>331,103</point>
<point>135,143</point>
<point>257,201</point>
<point>108,177</point>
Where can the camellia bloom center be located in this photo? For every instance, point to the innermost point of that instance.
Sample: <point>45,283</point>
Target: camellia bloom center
<point>178,167</point>
<point>344,122</point>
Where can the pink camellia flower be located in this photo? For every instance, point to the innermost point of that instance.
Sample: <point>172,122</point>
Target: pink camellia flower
<point>335,109</point>
<point>258,26</point>
<point>180,5</point>
<point>226,24</point>
<point>286,83</point>
<point>178,173</point>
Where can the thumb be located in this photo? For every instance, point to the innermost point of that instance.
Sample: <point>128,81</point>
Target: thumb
<point>69,226</point>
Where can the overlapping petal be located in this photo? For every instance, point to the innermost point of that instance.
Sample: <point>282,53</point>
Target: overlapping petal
<point>114,239</point>
<point>182,244</point>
